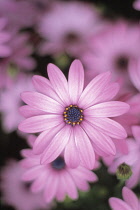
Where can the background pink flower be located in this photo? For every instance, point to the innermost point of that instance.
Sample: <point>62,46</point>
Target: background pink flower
<point>15,192</point>
<point>72,119</point>
<point>134,73</point>
<point>130,202</point>
<point>112,49</point>
<point>55,179</point>
<point>68,33</point>
<point>132,158</point>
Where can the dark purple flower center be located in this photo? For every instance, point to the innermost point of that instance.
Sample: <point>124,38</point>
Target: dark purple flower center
<point>71,37</point>
<point>58,163</point>
<point>73,115</point>
<point>122,62</point>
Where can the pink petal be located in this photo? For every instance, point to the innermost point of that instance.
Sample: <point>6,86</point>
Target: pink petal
<point>26,152</point>
<point>28,111</point>
<point>32,173</point>
<point>109,92</point>
<point>71,153</point>
<point>44,86</point>
<point>75,80</point>
<point>31,140</point>
<point>38,184</point>
<point>61,190</point>
<point>44,139</point>
<point>57,145</point>
<point>102,141</point>
<point>81,184</point>
<point>84,147</point>
<point>51,187</point>
<point>39,123</point>
<point>107,109</point>
<point>118,204</point>
<point>93,90</point>
<point>84,174</point>
<point>59,83</point>
<point>130,198</point>
<point>135,178</point>
<point>42,102</point>
<point>70,186</point>
<point>108,127</point>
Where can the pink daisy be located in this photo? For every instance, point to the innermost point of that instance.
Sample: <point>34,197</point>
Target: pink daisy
<point>132,158</point>
<point>4,38</point>
<point>113,48</point>
<point>55,180</point>
<point>73,119</point>
<point>134,73</point>
<point>67,33</point>
<point>15,192</point>
<point>131,202</point>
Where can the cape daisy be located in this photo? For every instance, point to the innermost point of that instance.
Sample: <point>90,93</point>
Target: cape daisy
<point>72,119</point>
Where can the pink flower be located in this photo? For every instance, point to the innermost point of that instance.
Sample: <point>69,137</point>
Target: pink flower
<point>131,202</point>
<point>73,119</point>
<point>136,5</point>
<point>112,49</point>
<point>67,33</point>
<point>10,111</point>
<point>55,180</point>
<point>134,73</point>
<point>132,158</point>
<point>15,192</point>
<point>4,38</point>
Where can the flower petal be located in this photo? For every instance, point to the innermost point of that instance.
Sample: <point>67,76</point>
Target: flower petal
<point>107,109</point>
<point>118,204</point>
<point>71,154</point>
<point>108,93</point>
<point>130,198</point>
<point>70,186</point>
<point>75,80</point>
<point>103,142</point>
<point>51,187</point>
<point>93,90</point>
<point>57,145</point>
<point>44,139</point>
<point>42,102</point>
<point>84,147</point>
<point>39,123</point>
<point>28,111</point>
<point>44,86</point>
<point>31,173</point>
<point>108,127</point>
<point>58,82</point>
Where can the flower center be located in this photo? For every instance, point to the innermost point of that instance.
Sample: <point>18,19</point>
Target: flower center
<point>58,163</point>
<point>122,62</point>
<point>73,115</point>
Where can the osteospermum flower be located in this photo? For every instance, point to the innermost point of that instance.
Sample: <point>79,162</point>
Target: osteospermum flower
<point>131,159</point>
<point>67,33</point>
<point>131,202</point>
<point>15,192</point>
<point>55,180</point>
<point>113,49</point>
<point>71,119</point>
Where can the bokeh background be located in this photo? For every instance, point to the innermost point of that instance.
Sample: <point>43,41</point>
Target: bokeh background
<point>27,19</point>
